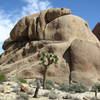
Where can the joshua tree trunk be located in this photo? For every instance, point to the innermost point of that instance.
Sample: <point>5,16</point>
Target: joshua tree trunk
<point>44,77</point>
<point>37,89</point>
<point>96,91</point>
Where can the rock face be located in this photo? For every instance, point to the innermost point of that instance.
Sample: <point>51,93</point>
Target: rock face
<point>96,30</point>
<point>54,30</point>
<point>85,65</point>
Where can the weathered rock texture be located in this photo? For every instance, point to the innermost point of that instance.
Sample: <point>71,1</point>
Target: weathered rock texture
<point>55,30</point>
<point>96,30</point>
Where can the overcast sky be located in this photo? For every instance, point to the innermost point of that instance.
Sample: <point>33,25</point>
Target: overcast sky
<point>12,10</point>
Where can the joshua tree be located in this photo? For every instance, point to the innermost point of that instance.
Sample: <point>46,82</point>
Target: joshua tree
<point>47,59</point>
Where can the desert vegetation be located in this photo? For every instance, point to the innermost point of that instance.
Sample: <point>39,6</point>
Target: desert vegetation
<point>2,77</point>
<point>46,60</point>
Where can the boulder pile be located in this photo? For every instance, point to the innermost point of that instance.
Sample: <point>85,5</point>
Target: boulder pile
<point>58,31</point>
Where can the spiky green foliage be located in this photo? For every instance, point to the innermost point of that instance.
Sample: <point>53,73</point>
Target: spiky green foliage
<point>22,80</point>
<point>48,58</point>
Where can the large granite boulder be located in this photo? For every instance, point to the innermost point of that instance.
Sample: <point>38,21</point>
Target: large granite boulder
<point>32,26</point>
<point>54,30</point>
<point>55,24</point>
<point>85,62</point>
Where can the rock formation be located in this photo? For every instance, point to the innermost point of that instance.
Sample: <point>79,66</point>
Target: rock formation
<point>96,30</point>
<point>54,30</point>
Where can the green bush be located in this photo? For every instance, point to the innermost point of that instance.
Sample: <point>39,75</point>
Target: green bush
<point>2,78</point>
<point>78,88</point>
<point>22,80</point>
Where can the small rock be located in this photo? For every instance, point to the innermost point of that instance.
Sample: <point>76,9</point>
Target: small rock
<point>1,96</point>
<point>16,90</point>
<point>46,94</point>
<point>22,96</point>
<point>76,98</point>
<point>53,95</point>
<point>30,92</point>
<point>7,89</point>
<point>86,98</point>
<point>1,89</point>
<point>68,96</point>
<point>11,96</point>
<point>25,87</point>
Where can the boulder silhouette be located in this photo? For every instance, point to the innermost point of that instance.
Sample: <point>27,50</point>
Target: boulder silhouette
<point>96,30</point>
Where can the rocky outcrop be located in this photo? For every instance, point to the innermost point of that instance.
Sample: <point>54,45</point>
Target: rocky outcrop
<point>31,27</point>
<point>54,30</point>
<point>85,62</point>
<point>96,30</point>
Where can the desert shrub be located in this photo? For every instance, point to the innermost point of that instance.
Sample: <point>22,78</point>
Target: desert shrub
<point>49,84</point>
<point>78,88</point>
<point>64,87</point>
<point>22,80</point>
<point>2,77</point>
<point>96,87</point>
